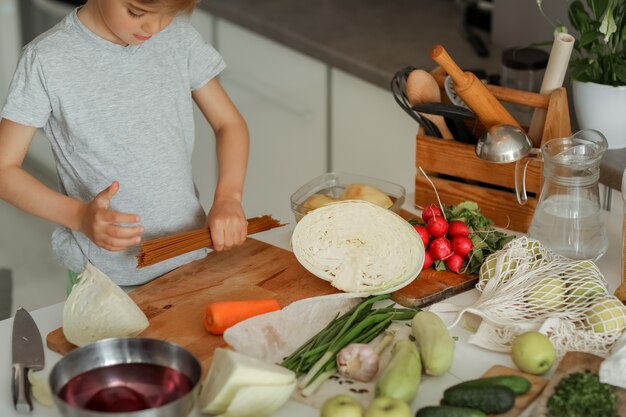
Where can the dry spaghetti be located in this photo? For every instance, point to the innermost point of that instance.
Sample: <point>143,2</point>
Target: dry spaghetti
<point>158,250</point>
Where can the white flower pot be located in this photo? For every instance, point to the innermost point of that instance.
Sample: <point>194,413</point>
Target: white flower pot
<point>602,107</point>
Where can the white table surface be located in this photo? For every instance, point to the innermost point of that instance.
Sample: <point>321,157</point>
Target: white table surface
<point>469,361</point>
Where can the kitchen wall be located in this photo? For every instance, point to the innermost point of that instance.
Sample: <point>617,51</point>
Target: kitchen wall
<point>520,23</point>
<point>9,43</point>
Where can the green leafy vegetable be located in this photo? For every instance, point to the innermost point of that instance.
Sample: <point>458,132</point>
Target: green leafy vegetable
<point>581,394</point>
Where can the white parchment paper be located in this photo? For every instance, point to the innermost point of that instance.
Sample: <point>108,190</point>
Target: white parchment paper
<point>274,336</point>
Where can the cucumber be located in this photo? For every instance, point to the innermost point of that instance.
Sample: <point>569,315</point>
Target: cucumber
<point>448,411</point>
<point>490,400</point>
<point>518,384</point>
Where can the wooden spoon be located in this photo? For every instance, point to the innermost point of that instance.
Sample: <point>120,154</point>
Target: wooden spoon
<point>421,88</point>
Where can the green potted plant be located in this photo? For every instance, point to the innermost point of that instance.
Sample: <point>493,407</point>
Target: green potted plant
<point>597,67</point>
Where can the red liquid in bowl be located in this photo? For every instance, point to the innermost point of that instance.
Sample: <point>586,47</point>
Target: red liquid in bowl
<point>126,387</point>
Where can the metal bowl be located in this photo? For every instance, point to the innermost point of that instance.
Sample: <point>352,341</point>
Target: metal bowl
<point>126,377</point>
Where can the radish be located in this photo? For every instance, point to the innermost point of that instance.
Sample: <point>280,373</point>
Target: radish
<point>462,245</point>
<point>437,226</point>
<point>428,260</point>
<point>431,211</point>
<point>458,228</point>
<point>455,262</point>
<point>440,248</point>
<point>421,230</point>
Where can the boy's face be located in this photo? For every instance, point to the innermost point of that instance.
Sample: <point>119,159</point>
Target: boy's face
<point>128,22</point>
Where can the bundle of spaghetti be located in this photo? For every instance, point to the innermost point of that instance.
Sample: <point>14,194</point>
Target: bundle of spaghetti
<point>167,247</point>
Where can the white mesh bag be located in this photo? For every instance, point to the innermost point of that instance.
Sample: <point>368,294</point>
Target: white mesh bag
<point>525,287</point>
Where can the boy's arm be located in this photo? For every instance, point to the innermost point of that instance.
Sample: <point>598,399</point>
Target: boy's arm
<point>22,190</point>
<point>226,218</point>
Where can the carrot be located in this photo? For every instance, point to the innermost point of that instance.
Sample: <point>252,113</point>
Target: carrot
<point>220,315</point>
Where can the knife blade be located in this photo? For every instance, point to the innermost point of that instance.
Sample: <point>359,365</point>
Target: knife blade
<point>27,352</point>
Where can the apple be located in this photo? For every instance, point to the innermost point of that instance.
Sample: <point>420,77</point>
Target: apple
<point>547,294</point>
<point>534,247</point>
<point>488,268</point>
<point>497,265</point>
<point>341,406</point>
<point>583,291</point>
<point>533,352</point>
<point>388,407</point>
<point>607,315</point>
<point>583,265</point>
<point>586,282</point>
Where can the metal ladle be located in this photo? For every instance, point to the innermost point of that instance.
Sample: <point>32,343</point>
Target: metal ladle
<point>503,144</point>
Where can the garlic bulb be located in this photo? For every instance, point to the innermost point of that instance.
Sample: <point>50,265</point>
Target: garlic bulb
<point>358,361</point>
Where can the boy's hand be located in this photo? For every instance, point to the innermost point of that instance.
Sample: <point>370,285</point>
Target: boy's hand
<point>227,223</point>
<point>105,227</point>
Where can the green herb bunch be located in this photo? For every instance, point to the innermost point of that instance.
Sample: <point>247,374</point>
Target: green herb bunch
<point>485,238</point>
<point>599,54</point>
<point>581,394</point>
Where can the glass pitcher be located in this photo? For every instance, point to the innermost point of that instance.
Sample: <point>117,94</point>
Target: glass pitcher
<point>568,218</point>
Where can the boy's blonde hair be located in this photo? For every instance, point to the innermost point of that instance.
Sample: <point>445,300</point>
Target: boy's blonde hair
<point>171,6</point>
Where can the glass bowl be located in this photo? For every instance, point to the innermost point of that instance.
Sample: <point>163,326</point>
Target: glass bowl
<point>334,183</point>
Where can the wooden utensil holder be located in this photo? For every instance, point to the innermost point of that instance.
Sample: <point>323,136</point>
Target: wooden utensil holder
<point>459,175</point>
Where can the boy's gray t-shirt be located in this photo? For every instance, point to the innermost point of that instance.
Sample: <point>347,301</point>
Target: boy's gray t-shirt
<point>115,113</point>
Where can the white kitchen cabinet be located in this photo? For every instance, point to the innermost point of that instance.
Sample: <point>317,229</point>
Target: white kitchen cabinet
<point>282,94</point>
<point>204,161</point>
<point>371,135</point>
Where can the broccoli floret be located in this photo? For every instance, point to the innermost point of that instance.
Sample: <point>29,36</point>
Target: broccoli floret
<point>581,394</point>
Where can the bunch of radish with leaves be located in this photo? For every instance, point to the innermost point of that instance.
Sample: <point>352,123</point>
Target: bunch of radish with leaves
<point>457,238</point>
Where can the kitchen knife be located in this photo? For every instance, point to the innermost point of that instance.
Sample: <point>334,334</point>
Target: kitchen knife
<point>27,350</point>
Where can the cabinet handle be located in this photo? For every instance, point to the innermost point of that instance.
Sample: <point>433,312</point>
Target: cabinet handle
<point>268,94</point>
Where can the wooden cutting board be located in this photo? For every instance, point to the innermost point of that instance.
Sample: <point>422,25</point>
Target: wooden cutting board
<point>521,401</point>
<point>573,362</point>
<point>175,302</point>
<point>432,287</point>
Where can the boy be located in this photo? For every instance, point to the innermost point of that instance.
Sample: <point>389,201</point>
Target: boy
<point>112,86</point>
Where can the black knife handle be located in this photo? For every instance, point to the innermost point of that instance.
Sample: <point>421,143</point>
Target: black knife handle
<point>21,389</point>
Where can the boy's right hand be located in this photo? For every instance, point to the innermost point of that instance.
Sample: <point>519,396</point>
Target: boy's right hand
<point>105,227</point>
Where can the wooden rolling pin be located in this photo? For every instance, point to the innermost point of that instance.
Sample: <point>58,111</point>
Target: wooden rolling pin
<point>474,93</point>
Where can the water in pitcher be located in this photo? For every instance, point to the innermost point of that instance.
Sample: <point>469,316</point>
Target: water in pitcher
<point>568,218</point>
<point>570,226</point>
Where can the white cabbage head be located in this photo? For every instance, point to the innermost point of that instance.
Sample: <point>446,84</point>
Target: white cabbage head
<point>97,308</point>
<point>359,247</point>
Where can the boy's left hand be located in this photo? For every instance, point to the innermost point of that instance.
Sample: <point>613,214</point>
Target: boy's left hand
<point>227,223</point>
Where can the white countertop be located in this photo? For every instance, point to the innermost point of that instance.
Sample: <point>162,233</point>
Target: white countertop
<point>469,362</point>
